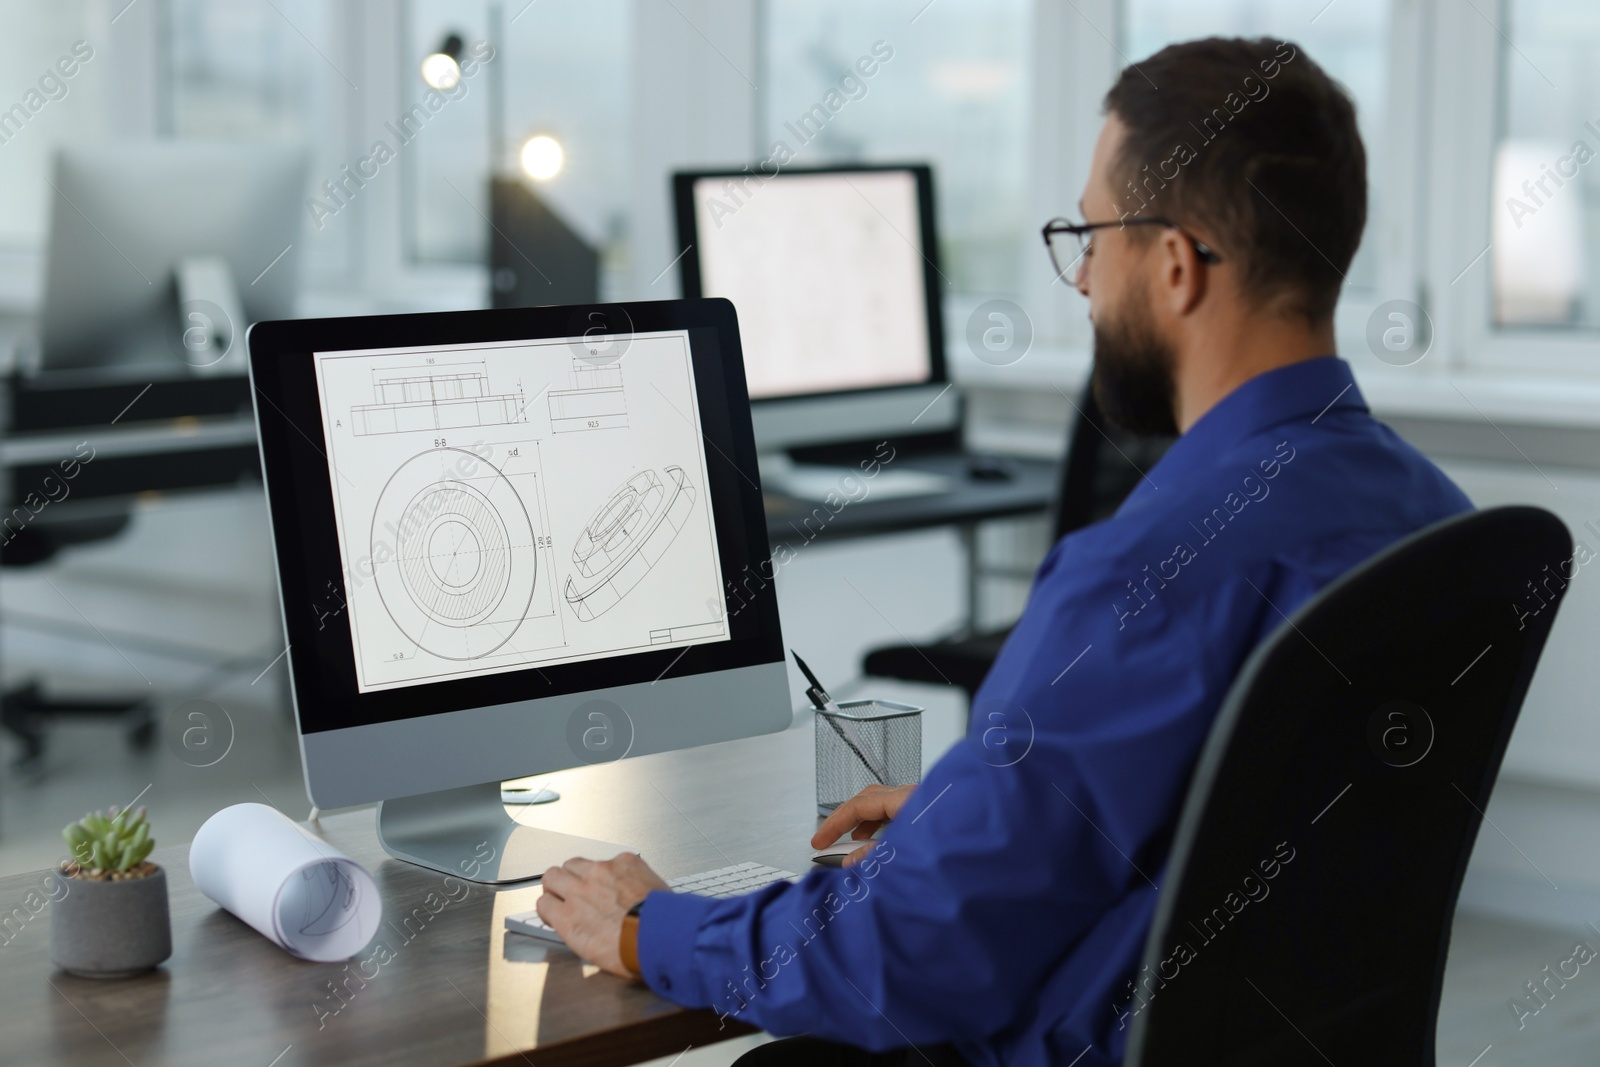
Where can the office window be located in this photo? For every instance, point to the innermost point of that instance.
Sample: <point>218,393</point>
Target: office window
<point>54,110</point>
<point>1348,39</point>
<point>266,70</point>
<point>562,68</point>
<point>949,86</point>
<point>242,69</point>
<point>446,161</point>
<point>1545,221</point>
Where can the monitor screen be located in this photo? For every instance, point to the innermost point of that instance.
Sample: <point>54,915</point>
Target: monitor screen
<point>494,529</point>
<point>516,504</point>
<point>828,273</point>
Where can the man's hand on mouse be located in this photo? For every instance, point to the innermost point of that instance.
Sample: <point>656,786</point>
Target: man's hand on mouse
<point>585,901</point>
<point>862,815</point>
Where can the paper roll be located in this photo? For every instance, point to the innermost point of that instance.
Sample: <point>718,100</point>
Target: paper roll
<point>291,886</point>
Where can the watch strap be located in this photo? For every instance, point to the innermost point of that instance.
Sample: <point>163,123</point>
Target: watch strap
<point>628,943</point>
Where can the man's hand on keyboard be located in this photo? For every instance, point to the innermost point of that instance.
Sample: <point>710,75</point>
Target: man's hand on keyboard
<point>585,901</point>
<point>862,815</point>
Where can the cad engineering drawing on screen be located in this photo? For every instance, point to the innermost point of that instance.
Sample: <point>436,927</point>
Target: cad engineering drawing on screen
<point>519,504</point>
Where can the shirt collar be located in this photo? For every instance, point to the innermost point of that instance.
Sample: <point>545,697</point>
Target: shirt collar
<point>1310,390</point>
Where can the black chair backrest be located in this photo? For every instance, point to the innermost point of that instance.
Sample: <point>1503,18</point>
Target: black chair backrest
<point>1101,467</point>
<point>1313,875</point>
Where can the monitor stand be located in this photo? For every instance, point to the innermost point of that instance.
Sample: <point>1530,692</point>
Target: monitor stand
<point>466,833</point>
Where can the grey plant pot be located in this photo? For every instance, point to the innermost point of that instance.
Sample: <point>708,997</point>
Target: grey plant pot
<point>111,929</point>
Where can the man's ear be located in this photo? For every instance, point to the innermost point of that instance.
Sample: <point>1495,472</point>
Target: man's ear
<point>1181,279</point>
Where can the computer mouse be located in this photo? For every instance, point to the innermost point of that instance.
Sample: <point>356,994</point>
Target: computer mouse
<point>987,469</point>
<point>834,854</point>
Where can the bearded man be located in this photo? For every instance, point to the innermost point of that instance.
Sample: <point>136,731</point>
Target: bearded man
<point>999,916</point>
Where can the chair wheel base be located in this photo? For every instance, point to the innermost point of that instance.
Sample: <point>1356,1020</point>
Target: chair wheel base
<point>26,712</point>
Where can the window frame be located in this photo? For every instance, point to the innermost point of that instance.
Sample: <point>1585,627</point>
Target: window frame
<point>691,106</point>
<point>1436,167</point>
<point>1468,123</point>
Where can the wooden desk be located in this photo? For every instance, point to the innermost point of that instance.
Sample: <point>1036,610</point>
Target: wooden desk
<point>459,988</point>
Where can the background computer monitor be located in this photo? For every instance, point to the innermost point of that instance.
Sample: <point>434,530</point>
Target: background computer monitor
<point>535,256</point>
<point>511,542</point>
<point>835,275</point>
<point>124,216</point>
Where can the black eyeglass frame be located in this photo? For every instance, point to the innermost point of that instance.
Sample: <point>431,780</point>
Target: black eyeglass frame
<point>1084,230</point>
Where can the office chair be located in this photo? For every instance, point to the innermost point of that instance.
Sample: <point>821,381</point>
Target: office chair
<point>1101,466</point>
<point>26,711</point>
<point>1352,760</point>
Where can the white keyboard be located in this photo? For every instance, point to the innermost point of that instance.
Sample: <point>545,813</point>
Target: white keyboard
<point>722,882</point>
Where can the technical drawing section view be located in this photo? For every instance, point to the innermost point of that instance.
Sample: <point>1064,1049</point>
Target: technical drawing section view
<point>516,504</point>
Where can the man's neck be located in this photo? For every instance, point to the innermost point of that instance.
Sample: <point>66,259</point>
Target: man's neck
<point>1225,359</point>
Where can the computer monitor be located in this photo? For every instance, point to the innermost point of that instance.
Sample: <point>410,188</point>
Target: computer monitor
<point>535,257</point>
<point>139,227</point>
<point>511,542</point>
<point>835,274</point>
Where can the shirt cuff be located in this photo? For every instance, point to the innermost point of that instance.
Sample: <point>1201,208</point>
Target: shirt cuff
<point>669,926</point>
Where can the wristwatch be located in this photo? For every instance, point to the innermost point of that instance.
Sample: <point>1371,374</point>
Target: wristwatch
<point>628,942</point>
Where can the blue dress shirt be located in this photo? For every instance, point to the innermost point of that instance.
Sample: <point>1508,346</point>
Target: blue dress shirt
<point>1005,909</point>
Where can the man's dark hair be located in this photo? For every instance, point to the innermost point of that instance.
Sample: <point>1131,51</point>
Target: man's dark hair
<point>1253,144</point>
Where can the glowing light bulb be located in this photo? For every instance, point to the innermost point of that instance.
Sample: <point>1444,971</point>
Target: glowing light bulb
<point>441,71</point>
<point>542,157</point>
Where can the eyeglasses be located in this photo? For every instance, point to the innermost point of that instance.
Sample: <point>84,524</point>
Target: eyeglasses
<point>1069,242</point>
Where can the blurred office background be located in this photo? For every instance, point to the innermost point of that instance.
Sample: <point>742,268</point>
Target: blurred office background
<point>1472,316</point>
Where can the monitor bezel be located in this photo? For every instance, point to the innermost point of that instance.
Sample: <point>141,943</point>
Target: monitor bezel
<point>683,183</point>
<point>311,574</point>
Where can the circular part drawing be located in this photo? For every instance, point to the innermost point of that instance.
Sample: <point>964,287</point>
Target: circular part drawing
<point>626,537</point>
<point>330,899</point>
<point>454,554</point>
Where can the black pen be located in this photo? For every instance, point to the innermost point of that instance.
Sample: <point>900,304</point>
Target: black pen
<point>834,715</point>
<point>818,695</point>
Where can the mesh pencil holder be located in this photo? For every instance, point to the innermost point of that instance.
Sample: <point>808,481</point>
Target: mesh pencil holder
<point>866,742</point>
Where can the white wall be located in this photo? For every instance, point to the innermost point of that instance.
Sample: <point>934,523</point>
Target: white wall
<point>694,106</point>
<point>1557,739</point>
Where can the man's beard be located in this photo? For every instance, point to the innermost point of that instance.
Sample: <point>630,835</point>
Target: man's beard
<point>1132,381</point>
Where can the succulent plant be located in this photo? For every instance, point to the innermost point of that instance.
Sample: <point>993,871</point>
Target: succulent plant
<point>110,841</point>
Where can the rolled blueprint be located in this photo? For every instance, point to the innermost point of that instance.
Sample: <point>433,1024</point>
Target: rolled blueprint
<point>292,887</point>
